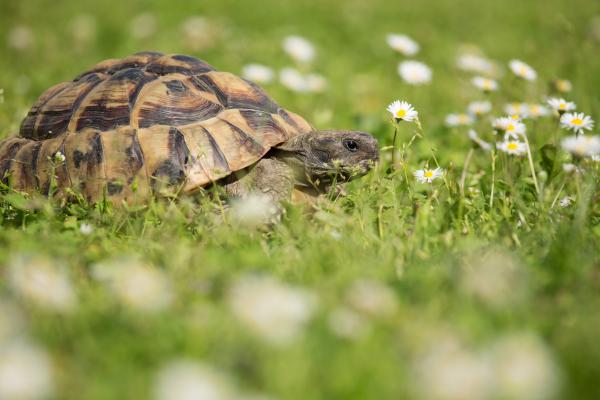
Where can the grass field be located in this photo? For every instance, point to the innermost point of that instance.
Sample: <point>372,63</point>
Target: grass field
<point>398,290</point>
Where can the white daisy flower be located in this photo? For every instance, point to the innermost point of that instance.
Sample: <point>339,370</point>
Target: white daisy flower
<point>25,372</point>
<point>570,168</point>
<point>402,44</point>
<point>292,79</point>
<point>485,84</point>
<point>534,110</point>
<point>402,111</point>
<point>518,109</point>
<point>414,72</point>
<point>566,201</point>
<point>511,127</point>
<point>479,108</point>
<point>560,105</point>
<point>482,143</point>
<point>582,146</point>
<point>562,85</point>
<point>428,175</point>
<point>475,63</point>
<point>253,210</point>
<point>596,157</point>
<point>316,83</point>
<point>300,49</point>
<point>577,122</point>
<point>513,147</point>
<point>372,298</point>
<point>522,70</point>
<point>86,229</point>
<point>59,157</point>
<point>184,379</point>
<point>258,73</point>
<point>454,120</point>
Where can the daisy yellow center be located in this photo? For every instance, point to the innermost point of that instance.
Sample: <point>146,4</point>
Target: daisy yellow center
<point>577,121</point>
<point>522,70</point>
<point>401,113</point>
<point>512,146</point>
<point>510,127</point>
<point>463,118</point>
<point>562,106</point>
<point>428,174</point>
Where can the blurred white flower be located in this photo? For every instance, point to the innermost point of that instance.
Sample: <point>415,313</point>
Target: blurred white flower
<point>83,29</point>
<point>454,120</point>
<point>494,278</point>
<point>25,372</point>
<point>485,84</point>
<point>258,73</point>
<point>428,175</point>
<point>194,28</point>
<point>253,210</point>
<point>138,286</point>
<point>595,157</point>
<point>448,371</point>
<point>479,108</point>
<point>474,63</point>
<point>40,281</point>
<point>562,85</point>
<point>347,324</point>
<point>271,309</point>
<point>59,157</point>
<point>566,201</point>
<point>577,122</point>
<point>402,44</point>
<point>482,143</point>
<point>372,298</point>
<point>143,26</point>
<point>414,72</point>
<point>402,111</point>
<point>20,38</point>
<point>190,380</point>
<point>560,105</point>
<point>316,82</point>
<point>292,79</point>
<point>511,127</point>
<point>513,147</point>
<point>522,70</point>
<point>534,110</point>
<point>516,109</point>
<point>524,369</point>
<point>86,229</point>
<point>299,48</point>
<point>582,146</point>
<point>570,168</point>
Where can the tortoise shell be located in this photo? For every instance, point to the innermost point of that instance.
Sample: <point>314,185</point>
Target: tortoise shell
<point>147,116</point>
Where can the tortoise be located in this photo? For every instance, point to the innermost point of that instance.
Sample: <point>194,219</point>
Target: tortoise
<point>131,127</point>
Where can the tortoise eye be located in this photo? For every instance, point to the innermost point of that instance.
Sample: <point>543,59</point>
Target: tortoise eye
<point>351,145</point>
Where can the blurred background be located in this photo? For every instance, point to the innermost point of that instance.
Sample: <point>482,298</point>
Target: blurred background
<point>166,304</point>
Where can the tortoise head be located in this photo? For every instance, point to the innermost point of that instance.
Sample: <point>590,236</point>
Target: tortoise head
<point>333,154</point>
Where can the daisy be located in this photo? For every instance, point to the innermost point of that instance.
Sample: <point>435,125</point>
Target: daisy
<point>522,70</point>
<point>560,105</point>
<point>414,72</point>
<point>59,157</point>
<point>402,111</point>
<point>316,83</point>
<point>576,122</point>
<point>518,109</point>
<point>453,120</point>
<point>258,73</point>
<point>402,44</point>
<point>428,175</point>
<point>582,146</point>
<point>511,127</point>
<point>485,84</point>
<point>513,147</point>
<point>479,108</point>
<point>474,63</point>
<point>482,143</point>
<point>566,201</point>
<point>562,85</point>
<point>534,110</point>
<point>292,79</point>
<point>300,49</point>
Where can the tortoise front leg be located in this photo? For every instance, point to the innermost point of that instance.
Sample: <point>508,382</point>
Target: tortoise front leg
<point>269,176</point>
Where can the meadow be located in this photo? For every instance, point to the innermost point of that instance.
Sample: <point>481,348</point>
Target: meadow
<point>483,283</point>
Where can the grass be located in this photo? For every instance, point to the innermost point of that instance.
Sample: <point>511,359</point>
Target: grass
<point>459,269</point>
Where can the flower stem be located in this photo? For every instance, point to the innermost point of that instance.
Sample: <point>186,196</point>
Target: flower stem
<point>493,179</point>
<point>394,147</point>
<point>532,167</point>
<point>463,175</point>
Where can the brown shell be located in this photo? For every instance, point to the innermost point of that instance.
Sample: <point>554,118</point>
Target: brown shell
<point>148,118</point>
